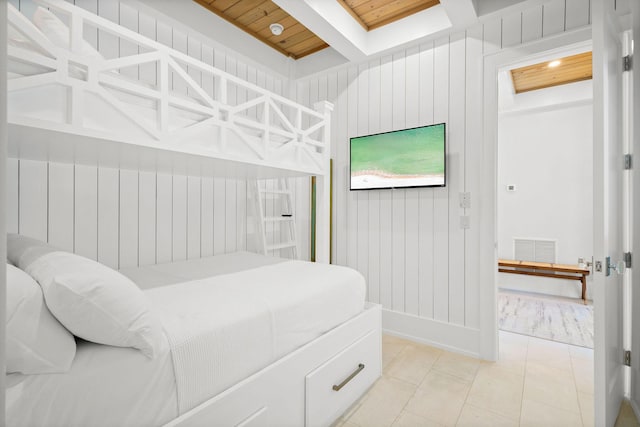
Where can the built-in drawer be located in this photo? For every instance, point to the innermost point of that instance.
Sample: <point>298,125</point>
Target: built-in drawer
<point>338,383</point>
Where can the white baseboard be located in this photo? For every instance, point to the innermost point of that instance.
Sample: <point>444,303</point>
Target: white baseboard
<point>455,338</point>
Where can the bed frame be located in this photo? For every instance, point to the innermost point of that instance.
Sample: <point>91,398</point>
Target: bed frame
<point>313,386</point>
<point>89,112</point>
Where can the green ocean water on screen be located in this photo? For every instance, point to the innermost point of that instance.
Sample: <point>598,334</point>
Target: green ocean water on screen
<point>417,151</point>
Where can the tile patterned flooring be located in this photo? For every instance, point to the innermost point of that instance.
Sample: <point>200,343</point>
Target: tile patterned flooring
<point>535,383</point>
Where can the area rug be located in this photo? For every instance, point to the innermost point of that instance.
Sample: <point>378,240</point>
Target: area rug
<point>556,320</point>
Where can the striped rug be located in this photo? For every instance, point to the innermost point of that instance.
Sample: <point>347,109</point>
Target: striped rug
<point>556,320</point>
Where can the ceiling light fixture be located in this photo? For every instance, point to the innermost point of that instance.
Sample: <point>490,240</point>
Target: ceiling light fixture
<point>276,29</point>
<point>554,64</point>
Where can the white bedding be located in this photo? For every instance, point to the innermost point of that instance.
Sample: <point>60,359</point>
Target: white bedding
<point>249,311</point>
<point>152,276</point>
<point>227,327</point>
<point>106,386</point>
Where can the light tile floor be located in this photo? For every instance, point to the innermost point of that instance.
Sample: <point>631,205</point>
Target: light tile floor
<point>626,417</point>
<point>535,383</point>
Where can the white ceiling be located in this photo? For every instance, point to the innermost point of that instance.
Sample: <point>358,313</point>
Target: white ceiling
<point>348,41</point>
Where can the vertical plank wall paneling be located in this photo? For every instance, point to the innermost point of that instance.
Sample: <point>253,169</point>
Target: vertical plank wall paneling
<point>412,199</point>
<point>60,198</point>
<point>373,205</point>
<point>147,187</point>
<point>409,243</point>
<point>441,195</point>
<point>386,290</point>
<point>472,152</point>
<point>108,216</point>
<point>128,217</point>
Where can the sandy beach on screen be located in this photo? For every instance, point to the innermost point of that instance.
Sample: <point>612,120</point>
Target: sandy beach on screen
<point>379,180</point>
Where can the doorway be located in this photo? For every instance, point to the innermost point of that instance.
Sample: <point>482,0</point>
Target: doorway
<point>544,211</point>
<point>610,373</point>
<point>545,197</point>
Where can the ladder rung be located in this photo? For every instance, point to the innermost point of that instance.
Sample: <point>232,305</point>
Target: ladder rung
<point>278,218</point>
<point>281,246</point>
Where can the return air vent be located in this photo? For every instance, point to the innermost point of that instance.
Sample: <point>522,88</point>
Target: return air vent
<point>534,250</point>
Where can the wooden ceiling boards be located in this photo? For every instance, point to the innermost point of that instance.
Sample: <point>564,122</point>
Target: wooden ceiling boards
<point>255,17</point>
<point>372,14</point>
<point>570,69</point>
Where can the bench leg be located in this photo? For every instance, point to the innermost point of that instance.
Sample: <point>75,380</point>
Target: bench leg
<point>584,289</point>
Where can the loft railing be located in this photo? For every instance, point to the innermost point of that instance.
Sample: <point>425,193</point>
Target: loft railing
<point>260,127</point>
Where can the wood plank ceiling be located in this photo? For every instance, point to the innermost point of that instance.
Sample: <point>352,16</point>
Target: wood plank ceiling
<point>255,17</point>
<point>372,14</point>
<point>561,71</point>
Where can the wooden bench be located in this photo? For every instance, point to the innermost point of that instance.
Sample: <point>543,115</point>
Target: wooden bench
<point>545,269</point>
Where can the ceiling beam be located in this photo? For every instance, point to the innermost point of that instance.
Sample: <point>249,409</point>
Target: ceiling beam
<point>462,13</point>
<point>332,23</point>
<point>354,15</point>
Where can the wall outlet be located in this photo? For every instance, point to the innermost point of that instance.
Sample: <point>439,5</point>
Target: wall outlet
<point>465,200</point>
<point>511,187</point>
<point>465,222</point>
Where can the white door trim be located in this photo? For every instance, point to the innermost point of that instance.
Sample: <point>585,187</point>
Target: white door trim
<point>488,205</point>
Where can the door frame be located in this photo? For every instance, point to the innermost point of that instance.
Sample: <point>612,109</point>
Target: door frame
<point>634,370</point>
<point>489,180</point>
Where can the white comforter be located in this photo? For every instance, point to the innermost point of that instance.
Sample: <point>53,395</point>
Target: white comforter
<point>225,328</point>
<point>221,330</point>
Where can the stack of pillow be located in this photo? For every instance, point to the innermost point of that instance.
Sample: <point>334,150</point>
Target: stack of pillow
<point>53,295</point>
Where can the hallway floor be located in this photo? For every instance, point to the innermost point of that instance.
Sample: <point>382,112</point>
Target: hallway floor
<point>535,383</point>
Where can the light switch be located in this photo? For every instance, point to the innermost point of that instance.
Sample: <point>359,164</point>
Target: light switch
<point>465,200</point>
<point>465,222</point>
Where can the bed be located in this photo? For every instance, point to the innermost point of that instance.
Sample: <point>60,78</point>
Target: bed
<point>92,110</point>
<point>250,340</point>
<point>229,318</point>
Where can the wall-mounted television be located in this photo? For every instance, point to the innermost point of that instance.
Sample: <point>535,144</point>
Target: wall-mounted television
<point>405,158</point>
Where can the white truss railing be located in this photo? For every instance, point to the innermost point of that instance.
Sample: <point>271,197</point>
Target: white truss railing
<point>263,129</point>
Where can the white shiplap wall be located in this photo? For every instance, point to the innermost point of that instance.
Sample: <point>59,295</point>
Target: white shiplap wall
<point>123,218</point>
<point>408,243</point>
<point>128,217</point>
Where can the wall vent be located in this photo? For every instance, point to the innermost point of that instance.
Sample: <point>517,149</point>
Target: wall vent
<point>538,250</point>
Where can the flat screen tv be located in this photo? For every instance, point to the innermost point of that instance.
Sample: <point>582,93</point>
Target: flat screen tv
<point>400,159</point>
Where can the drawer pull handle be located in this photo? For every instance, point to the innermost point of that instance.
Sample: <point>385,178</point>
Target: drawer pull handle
<point>349,378</point>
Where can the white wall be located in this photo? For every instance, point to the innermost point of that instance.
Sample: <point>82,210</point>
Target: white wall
<point>548,155</point>
<point>131,217</point>
<point>419,264</point>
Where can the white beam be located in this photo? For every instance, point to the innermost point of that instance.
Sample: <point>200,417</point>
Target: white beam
<point>416,27</point>
<point>462,13</point>
<point>329,21</point>
<point>333,24</point>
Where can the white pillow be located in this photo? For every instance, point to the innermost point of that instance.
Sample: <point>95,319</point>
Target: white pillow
<point>58,33</point>
<point>23,250</point>
<point>91,300</point>
<point>36,342</point>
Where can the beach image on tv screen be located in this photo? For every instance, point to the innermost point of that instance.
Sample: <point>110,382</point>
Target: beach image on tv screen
<point>408,158</point>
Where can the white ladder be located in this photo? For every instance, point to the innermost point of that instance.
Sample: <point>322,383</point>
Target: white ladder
<point>283,219</point>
